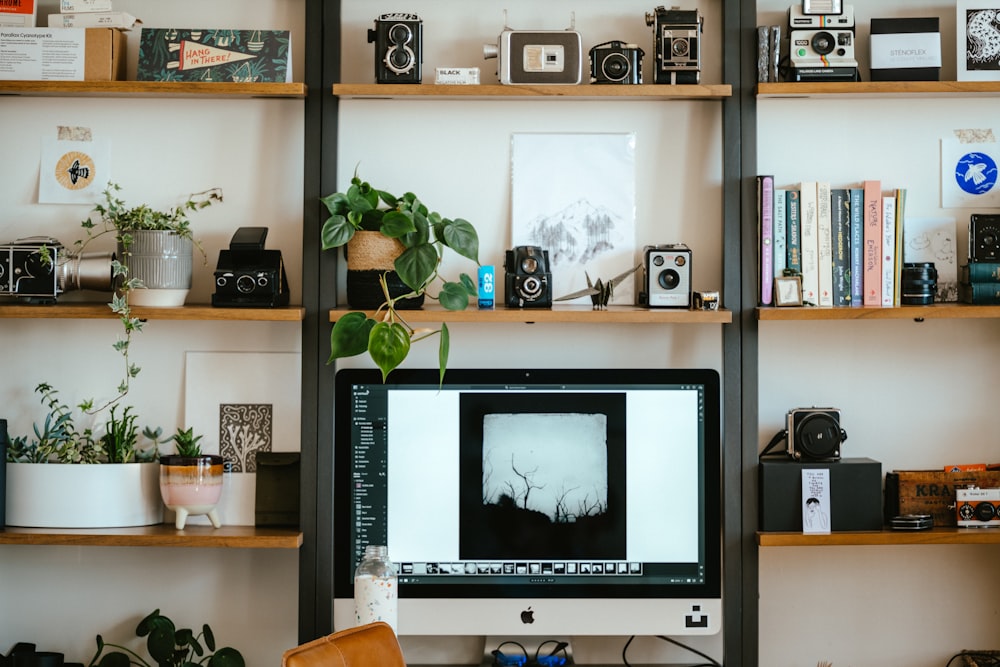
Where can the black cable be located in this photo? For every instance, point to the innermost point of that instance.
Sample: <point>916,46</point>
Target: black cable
<point>711,661</point>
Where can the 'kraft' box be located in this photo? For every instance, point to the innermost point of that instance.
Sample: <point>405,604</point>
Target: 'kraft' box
<point>855,493</point>
<point>932,491</point>
<point>50,54</point>
<point>905,49</point>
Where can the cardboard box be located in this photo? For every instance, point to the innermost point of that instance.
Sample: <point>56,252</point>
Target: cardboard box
<point>905,49</point>
<point>932,491</point>
<point>62,54</point>
<point>855,493</point>
<point>105,58</point>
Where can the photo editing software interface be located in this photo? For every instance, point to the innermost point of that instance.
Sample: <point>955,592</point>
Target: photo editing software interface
<point>573,484</point>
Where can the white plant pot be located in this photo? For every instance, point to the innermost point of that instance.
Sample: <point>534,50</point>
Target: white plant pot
<point>70,495</point>
<point>163,262</point>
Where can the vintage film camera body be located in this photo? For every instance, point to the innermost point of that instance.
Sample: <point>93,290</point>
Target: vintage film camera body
<point>666,277</point>
<point>528,278</point>
<point>814,434</point>
<point>821,44</point>
<point>27,275</point>
<point>537,56</point>
<point>977,508</point>
<point>984,238</point>
<point>616,62</point>
<point>247,276</point>
<point>677,41</point>
<point>399,48</point>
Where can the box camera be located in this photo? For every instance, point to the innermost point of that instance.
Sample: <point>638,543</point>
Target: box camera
<point>677,40</point>
<point>247,276</point>
<point>984,238</point>
<point>528,280</point>
<point>667,276</point>
<point>399,47</point>
<point>821,46</point>
<point>616,62</point>
<point>814,434</point>
<point>37,269</point>
<point>977,508</point>
<point>537,56</point>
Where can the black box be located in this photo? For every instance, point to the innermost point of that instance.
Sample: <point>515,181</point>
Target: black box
<point>891,42</point>
<point>276,501</point>
<point>855,494</point>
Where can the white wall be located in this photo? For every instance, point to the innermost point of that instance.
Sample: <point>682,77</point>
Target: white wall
<point>161,150</point>
<point>913,394</point>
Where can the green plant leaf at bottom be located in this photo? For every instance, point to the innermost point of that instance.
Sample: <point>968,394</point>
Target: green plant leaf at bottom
<point>388,345</point>
<point>444,347</point>
<point>350,336</point>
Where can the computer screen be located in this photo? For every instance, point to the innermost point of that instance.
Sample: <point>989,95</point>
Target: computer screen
<point>533,502</point>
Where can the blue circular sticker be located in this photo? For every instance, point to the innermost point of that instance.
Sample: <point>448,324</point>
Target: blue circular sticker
<point>976,173</point>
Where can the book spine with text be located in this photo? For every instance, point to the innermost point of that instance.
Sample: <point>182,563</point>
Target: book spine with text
<point>840,211</point>
<point>888,249</point>
<point>872,282</point>
<point>809,242</point>
<point>765,216</point>
<point>824,242</point>
<point>900,210</point>
<point>979,293</point>
<point>793,229</point>
<point>857,246</point>
<point>780,231</point>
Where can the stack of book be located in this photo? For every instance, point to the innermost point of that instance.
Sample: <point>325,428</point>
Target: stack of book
<point>979,282</point>
<point>846,243</point>
<point>91,14</point>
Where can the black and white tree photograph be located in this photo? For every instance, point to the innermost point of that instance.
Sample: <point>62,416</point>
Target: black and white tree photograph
<point>550,483</point>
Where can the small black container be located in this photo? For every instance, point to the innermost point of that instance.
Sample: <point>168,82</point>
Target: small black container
<point>918,283</point>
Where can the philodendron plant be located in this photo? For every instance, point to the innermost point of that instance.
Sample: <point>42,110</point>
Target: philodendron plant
<point>386,336</point>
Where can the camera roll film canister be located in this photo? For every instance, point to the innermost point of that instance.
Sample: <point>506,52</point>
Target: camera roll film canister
<point>487,287</point>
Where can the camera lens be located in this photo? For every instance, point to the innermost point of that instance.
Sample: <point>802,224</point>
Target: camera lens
<point>245,284</point>
<point>530,288</point>
<point>529,265</point>
<point>985,511</point>
<point>823,43</point>
<point>679,48</point>
<point>400,34</point>
<point>399,59</point>
<point>918,283</point>
<point>668,279</point>
<point>615,67</point>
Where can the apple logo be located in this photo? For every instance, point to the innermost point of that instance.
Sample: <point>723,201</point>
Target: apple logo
<point>528,616</point>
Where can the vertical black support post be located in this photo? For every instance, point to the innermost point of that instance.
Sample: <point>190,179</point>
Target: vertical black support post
<point>748,324</point>
<point>322,68</point>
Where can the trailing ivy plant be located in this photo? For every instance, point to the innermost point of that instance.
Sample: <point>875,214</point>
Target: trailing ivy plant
<point>387,336</point>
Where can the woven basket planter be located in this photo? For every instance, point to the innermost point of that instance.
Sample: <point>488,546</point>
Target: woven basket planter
<point>369,256</point>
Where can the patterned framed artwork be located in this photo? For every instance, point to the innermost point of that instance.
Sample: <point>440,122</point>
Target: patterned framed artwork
<point>978,40</point>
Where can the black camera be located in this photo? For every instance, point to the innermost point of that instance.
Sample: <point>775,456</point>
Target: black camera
<point>984,238</point>
<point>37,269</point>
<point>677,38</point>
<point>814,434</point>
<point>616,62</point>
<point>528,280</point>
<point>399,47</point>
<point>247,276</point>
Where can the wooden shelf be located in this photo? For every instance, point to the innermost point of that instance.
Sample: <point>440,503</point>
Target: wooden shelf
<point>500,92</point>
<point>151,89</point>
<point>162,535</point>
<point>938,311</point>
<point>880,89</point>
<point>566,314</point>
<point>84,311</point>
<point>881,537</point>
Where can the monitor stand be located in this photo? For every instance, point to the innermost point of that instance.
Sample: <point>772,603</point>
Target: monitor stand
<point>549,652</point>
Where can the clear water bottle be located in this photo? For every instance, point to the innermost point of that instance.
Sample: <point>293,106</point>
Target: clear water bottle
<point>375,588</point>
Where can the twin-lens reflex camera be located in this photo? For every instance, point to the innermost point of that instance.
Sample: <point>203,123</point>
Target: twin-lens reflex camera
<point>399,43</point>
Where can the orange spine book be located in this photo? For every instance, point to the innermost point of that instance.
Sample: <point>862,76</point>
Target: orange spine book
<point>872,281</point>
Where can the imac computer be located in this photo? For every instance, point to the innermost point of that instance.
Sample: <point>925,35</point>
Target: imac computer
<point>533,503</point>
